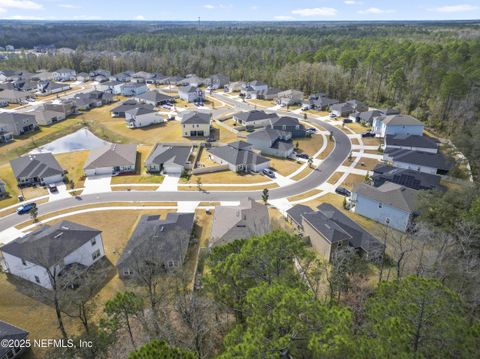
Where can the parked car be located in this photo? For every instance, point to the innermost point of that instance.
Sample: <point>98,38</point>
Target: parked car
<point>26,208</point>
<point>313,129</point>
<point>347,120</point>
<point>343,191</point>
<point>269,173</point>
<point>368,134</point>
<point>305,107</point>
<point>52,187</point>
<point>332,115</point>
<point>302,155</point>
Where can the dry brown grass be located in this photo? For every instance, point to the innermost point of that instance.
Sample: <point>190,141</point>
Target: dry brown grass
<point>284,166</point>
<point>261,103</point>
<point>224,177</point>
<point>335,177</point>
<point>357,127</point>
<point>327,150</point>
<point>134,188</point>
<point>307,194</point>
<point>371,141</point>
<point>73,163</point>
<point>303,174</point>
<point>309,145</point>
<point>367,163</point>
<point>351,180</point>
<point>223,189</point>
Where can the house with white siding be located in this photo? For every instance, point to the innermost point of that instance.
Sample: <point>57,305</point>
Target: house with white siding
<point>64,75</point>
<point>254,118</point>
<point>397,125</point>
<point>421,161</point>
<point>190,94</point>
<point>143,117</point>
<point>133,89</point>
<point>196,124</point>
<point>411,143</point>
<point>271,142</point>
<point>169,159</point>
<point>45,256</point>
<point>111,159</point>
<point>390,204</point>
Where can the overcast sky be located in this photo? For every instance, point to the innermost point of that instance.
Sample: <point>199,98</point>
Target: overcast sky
<point>285,10</point>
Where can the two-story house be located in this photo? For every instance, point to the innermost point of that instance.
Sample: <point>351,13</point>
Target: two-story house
<point>196,124</point>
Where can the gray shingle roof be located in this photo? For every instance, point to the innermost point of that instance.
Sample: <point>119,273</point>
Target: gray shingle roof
<point>130,104</point>
<point>408,178</point>
<point>137,111</point>
<point>162,154</point>
<point>10,332</point>
<point>419,158</point>
<point>36,165</point>
<point>237,153</point>
<point>411,141</point>
<point>167,238</point>
<point>269,134</point>
<point>187,89</point>
<point>297,212</point>
<point>154,96</point>
<point>401,120</point>
<point>16,120</point>
<point>111,156</point>
<point>50,244</point>
<point>389,193</point>
<point>196,118</point>
<point>255,115</point>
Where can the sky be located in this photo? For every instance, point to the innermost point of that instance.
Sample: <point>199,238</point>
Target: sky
<point>240,10</point>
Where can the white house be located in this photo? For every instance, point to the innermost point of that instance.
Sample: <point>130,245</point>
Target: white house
<point>64,75</point>
<point>134,89</point>
<point>169,159</point>
<point>143,117</point>
<point>110,159</point>
<point>397,125</point>
<point>289,97</point>
<point>114,87</point>
<point>45,256</point>
<point>190,94</point>
<point>254,118</point>
<point>196,124</point>
<point>390,204</point>
<point>411,143</point>
<point>420,161</point>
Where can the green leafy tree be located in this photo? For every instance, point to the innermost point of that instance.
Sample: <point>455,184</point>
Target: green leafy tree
<point>156,349</point>
<point>265,195</point>
<point>417,317</point>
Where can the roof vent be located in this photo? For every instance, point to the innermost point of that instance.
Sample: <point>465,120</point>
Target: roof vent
<point>58,235</point>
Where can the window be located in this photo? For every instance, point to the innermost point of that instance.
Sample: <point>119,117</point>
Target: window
<point>127,272</point>
<point>93,241</point>
<point>23,262</point>
<point>380,205</point>
<point>171,263</point>
<point>96,254</point>
<point>387,220</point>
<point>37,279</point>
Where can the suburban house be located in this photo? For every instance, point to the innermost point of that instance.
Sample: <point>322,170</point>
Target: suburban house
<point>85,102</point>
<point>342,109</point>
<point>254,90</point>
<point>255,118</point>
<point>133,89</point>
<point>5,135</point>
<point>122,76</point>
<point>174,80</point>
<point>83,76</point>
<point>3,189</point>
<point>50,87</point>
<point>358,106</point>
<point>105,97</point>
<point>194,80</point>
<point>18,337</point>
<point>271,94</point>
<point>411,143</point>
<point>289,124</point>
<point>397,125</point>
<point>143,117</point>
<point>169,159</point>
<point>64,75</point>
<point>365,117</point>
<point>51,252</point>
<point>272,142</point>
<point>289,98</point>
<point>391,204</point>
<point>100,72</point>
<point>37,169</point>
<point>17,123</point>
<point>111,159</point>
<point>218,81</point>
<point>14,96</point>
<point>247,219</point>
<point>239,157</point>
<point>408,178</point>
<point>190,94</point>
<point>67,107</point>
<point>196,124</point>
<point>234,86</point>
<point>120,110</point>
<point>141,77</point>
<point>48,117</point>
<point>10,75</point>
<point>164,241</point>
<point>321,103</point>
<point>154,98</point>
<point>114,87</point>
<point>426,162</point>
<point>329,230</point>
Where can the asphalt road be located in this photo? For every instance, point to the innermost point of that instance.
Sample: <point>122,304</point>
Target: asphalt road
<point>315,179</point>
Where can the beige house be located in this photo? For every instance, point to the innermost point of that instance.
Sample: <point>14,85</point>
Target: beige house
<point>196,124</point>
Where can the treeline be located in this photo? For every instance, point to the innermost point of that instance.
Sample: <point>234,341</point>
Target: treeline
<point>431,72</point>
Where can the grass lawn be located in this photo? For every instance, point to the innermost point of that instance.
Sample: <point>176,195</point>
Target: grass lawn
<point>261,103</point>
<point>307,170</point>
<point>226,177</point>
<point>226,136</point>
<point>351,180</point>
<point>309,145</point>
<point>335,177</point>
<point>134,188</point>
<point>367,163</point>
<point>230,189</point>
<point>318,113</point>
<point>284,166</point>
<point>355,141</point>
<point>371,141</point>
<point>141,175</point>
<point>308,194</point>
<point>327,150</point>
<point>73,163</point>
<point>357,127</point>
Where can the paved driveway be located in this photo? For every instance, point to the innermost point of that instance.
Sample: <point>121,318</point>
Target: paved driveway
<point>97,184</point>
<point>60,194</point>
<point>169,183</point>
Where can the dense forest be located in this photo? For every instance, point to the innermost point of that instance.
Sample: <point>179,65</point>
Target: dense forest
<point>431,70</point>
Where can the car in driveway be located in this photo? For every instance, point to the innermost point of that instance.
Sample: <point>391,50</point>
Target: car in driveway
<point>343,191</point>
<point>347,120</point>
<point>25,208</point>
<point>52,187</point>
<point>312,129</point>
<point>332,115</point>
<point>368,134</point>
<point>269,173</point>
<point>303,155</point>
